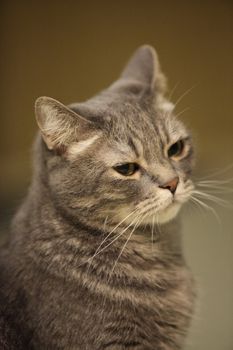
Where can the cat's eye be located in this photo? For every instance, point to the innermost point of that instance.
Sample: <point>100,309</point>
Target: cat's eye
<point>176,149</point>
<point>126,169</point>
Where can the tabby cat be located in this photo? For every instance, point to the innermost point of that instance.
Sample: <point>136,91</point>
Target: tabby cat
<point>94,258</point>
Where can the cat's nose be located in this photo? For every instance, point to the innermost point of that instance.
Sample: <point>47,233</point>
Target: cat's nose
<point>171,185</point>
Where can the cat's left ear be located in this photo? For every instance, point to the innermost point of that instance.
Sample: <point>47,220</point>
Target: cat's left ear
<point>60,126</point>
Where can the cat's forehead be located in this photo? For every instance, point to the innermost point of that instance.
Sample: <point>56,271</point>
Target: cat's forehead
<point>146,124</point>
<point>144,134</point>
<point>134,129</point>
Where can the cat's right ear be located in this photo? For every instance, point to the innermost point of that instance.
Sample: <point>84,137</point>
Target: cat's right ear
<point>59,125</point>
<point>142,74</point>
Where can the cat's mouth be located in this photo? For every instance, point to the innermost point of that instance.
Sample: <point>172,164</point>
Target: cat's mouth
<point>167,211</point>
<point>156,210</point>
<point>163,215</point>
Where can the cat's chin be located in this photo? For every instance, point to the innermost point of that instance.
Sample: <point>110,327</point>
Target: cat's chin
<point>164,215</point>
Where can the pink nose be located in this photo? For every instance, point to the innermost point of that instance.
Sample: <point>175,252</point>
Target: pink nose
<point>171,185</point>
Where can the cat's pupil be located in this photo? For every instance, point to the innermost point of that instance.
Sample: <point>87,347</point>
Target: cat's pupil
<point>127,169</point>
<point>176,149</point>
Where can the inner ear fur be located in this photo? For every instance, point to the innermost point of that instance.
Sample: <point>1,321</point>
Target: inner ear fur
<point>59,125</point>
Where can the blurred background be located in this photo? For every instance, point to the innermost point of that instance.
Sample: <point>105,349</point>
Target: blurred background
<point>69,50</point>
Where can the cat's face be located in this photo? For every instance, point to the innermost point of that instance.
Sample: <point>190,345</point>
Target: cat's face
<point>146,164</point>
<point>131,160</point>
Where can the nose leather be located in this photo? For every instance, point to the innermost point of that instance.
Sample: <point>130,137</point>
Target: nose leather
<point>171,185</point>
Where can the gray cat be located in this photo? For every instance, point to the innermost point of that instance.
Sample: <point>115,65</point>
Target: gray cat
<point>94,258</point>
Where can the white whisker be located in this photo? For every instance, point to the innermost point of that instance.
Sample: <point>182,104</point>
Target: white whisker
<point>121,222</point>
<point>152,231</point>
<point>218,172</point>
<point>208,208</point>
<point>90,260</point>
<point>216,188</point>
<point>213,198</point>
<point>130,235</point>
<point>158,226</point>
<point>183,111</point>
<point>112,241</point>
<point>216,182</point>
<point>198,207</point>
<point>184,94</point>
<point>173,90</point>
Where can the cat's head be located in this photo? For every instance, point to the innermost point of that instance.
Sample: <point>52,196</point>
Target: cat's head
<point>120,154</point>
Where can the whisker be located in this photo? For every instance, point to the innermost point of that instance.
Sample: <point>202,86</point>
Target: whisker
<point>130,235</point>
<point>206,206</point>
<point>218,172</point>
<point>183,111</point>
<point>144,210</point>
<point>198,206</point>
<point>152,232</point>
<point>217,185</point>
<point>216,182</point>
<point>173,90</point>
<point>158,226</point>
<point>121,222</point>
<point>213,198</point>
<point>90,260</point>
<point>112,241</point>
<point>184,94</point>
<point>215,188</point>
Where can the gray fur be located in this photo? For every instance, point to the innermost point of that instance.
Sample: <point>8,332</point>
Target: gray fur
<point>55,295</point>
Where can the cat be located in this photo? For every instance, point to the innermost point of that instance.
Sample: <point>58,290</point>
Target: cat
<point>94,258</point>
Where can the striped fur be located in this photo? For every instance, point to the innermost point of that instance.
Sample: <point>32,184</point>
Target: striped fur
<point>95,260</point>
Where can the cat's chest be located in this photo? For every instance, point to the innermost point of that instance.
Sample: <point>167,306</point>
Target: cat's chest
<point>85,311</point>
<point>84,318</point>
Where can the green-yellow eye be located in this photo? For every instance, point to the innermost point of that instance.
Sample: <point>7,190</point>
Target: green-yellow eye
<point>176,149</point>
<point>126,169</point>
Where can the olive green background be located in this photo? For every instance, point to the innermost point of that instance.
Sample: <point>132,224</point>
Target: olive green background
<point>69,50</point>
